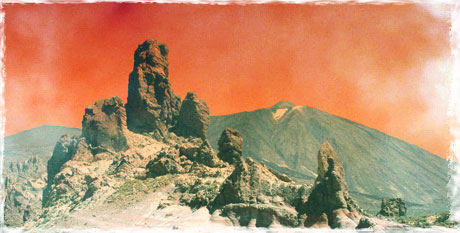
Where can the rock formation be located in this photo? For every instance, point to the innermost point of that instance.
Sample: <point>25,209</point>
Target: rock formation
<point>365,222</point>
<point>111,166</point>
<point>180,159</point>
<point>104,124</point>
<point>152,104</point>
<point>193,117</point>
<point>329,203</point>
<point>63,152</point>
<point>253,196</point>
<point>393,207</point>
<point>230,145</point>
<point>73,150</point>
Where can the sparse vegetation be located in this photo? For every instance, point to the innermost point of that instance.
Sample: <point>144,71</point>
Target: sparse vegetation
<point>136,186</point>
<point>427,221</point>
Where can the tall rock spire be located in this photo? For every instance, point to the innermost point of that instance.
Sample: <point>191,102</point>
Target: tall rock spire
<point>152,104</point>
<point>329,202</point>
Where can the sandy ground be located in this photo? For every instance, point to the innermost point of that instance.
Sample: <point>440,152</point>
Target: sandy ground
<point>144,215</point>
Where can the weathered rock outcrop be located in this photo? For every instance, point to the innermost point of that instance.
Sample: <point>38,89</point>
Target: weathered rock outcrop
<point>24,182</point>
<point>104,124</point>
<point>329,203</point>
<point>253,196</point>
<point>152,104</point>
<point>67,151</point>
<point>393,207</point>
<point>230,145</point>
<point>183,157</point>
<point>193,117</point>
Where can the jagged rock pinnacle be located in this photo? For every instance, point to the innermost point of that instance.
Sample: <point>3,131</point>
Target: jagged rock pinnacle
<point>152,104</point>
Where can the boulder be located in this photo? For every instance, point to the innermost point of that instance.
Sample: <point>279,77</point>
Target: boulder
<point>365,222</point>
<point>193,117</point>
<point>201,152</point>
<point>152,104</point>
<point>329,202</point>
<point>166,162</point>
<point>104,124</point>
<point>393,207</point>
<point>230,145</point>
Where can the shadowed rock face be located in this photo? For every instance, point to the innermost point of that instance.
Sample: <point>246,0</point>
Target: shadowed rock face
<point>63,152</point>
<point>193,117</point>
<point>104,124</point>
<point>329,202</point>
<point>230,145</point>
<point>152,104</point>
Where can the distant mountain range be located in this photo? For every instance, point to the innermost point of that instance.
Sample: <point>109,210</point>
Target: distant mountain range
<point>287,138</point>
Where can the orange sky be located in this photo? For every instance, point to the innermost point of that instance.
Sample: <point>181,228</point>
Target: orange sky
<point>383,66</point>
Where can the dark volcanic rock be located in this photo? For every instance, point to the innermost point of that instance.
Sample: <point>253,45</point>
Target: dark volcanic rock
<point>193,117</point>
<point>104,124</point>
<point>152,104</point>
<point>329,202</point>
<point>230,145</point>
<point>393,207</point>
<point>365,222</point>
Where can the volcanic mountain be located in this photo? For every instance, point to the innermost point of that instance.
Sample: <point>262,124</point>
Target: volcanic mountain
<point>285,137</point>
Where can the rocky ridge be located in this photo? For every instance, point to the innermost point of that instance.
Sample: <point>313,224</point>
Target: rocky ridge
<point>156,143</point>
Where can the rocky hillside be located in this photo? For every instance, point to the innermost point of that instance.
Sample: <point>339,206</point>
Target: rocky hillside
<point>24,183</point>
<point>286,137</point>
<point>148,161</point>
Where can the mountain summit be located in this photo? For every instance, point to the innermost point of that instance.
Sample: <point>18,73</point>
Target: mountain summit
<point>282,104</point>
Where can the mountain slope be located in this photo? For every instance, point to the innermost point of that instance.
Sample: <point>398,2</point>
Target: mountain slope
<point>287,137</point>
<point>38,141</point>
